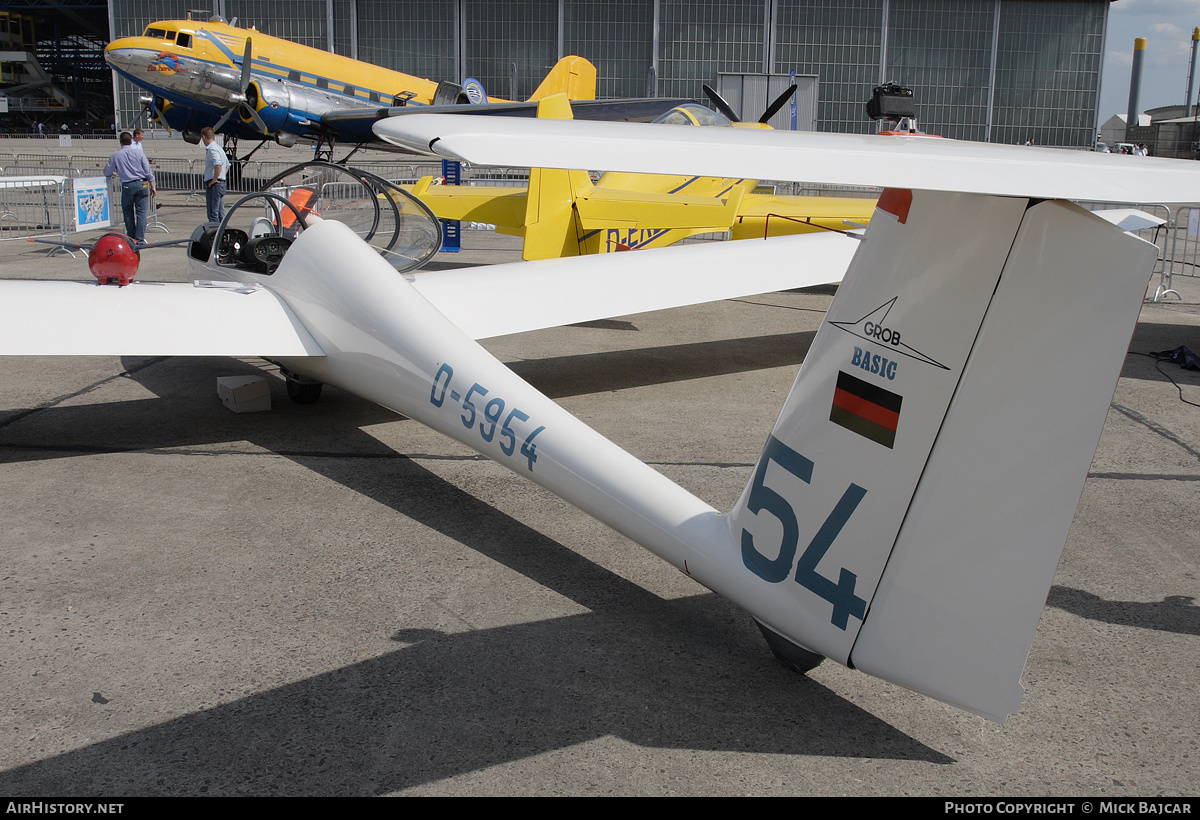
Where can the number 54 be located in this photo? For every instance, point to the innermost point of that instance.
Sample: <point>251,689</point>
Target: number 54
<point>775,570</point>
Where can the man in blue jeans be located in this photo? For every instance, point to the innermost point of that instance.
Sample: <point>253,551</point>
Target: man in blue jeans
<point>137,186</point>
<point>216,166</point>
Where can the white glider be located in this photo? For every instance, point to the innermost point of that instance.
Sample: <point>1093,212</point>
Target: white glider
<point>909,508</point>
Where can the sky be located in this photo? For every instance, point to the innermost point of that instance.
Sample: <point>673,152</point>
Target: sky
<point>1167,26</point>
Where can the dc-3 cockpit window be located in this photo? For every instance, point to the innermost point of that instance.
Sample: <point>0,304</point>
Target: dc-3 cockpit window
<point>692,114</point>
<point>160,33</point>
<point>184,40</point>
<point>384,215</point>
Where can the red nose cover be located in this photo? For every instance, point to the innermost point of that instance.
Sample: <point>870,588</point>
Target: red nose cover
<point>113,258</point>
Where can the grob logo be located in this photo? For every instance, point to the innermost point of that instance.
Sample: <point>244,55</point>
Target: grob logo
<point>871,328</point>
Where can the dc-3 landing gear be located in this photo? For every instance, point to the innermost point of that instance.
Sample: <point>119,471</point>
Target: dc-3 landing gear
<point>301,390</point>
<point>791,655</point>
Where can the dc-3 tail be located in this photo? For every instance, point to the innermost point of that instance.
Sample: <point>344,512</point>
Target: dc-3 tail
<point>573,76</point>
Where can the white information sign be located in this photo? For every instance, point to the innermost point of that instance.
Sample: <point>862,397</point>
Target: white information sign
<point>91,203</point>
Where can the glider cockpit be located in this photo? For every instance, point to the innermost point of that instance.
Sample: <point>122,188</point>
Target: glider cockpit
<point>259,249</point>
<point>258,230</point>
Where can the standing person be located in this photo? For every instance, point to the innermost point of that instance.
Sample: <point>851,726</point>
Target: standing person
<point>137,185</point>
<point>216,166</point>
<point>137,140</point>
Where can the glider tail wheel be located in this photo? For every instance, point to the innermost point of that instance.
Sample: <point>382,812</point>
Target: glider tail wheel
<point>300,389</point>
<point>791,655</point>
<point>303,392</point>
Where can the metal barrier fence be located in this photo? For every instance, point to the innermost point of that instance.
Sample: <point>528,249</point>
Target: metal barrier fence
<point>825,189</point>
<point>28,164</point>
<point>187,174</point>
<point>1161,237</point>
<point>36,205</point>
<point>37,195</point>
<point>1178,242</point>
<point>1184,250</point>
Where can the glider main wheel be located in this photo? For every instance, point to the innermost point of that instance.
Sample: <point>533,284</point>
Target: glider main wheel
<point>791,655</point>
<point>303,392</point>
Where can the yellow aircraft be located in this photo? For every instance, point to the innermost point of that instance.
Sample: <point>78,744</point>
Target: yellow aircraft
<point>203,73</point>
<point>562,213</point>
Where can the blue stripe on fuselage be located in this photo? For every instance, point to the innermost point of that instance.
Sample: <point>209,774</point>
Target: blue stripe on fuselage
<point>684,185</point>
<point>281,70</point>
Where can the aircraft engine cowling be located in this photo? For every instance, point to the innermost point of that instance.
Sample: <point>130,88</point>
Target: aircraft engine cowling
<point>273,102</point>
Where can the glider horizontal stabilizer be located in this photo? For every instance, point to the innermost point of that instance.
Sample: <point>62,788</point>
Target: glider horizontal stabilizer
<point>499,299</point>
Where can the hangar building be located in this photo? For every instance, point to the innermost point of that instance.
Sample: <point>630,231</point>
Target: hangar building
<point>993,70</point>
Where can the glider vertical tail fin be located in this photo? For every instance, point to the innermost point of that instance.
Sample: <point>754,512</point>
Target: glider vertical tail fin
<point>957,607</point>
<point>573,76</point>
<point>910,506</point>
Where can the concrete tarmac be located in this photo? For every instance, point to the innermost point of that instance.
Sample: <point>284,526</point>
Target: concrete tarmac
<point>331,599</point>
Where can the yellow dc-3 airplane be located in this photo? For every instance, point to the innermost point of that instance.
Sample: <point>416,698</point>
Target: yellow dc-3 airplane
<point>249,85</point>
<point>562,213</point>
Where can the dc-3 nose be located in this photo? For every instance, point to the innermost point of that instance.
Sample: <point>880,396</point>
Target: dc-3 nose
<point>154,65</point>
<point>148,62</point>
<point>121,55</point>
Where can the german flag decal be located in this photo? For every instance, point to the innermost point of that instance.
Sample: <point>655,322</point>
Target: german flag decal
<point>866,409</point>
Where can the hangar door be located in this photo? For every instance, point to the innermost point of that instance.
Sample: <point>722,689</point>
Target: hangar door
<point>750,94</point>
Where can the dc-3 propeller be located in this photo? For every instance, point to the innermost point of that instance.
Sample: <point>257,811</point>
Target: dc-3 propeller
<point>725,108</point>
<point>149,106</point>
<point>241,100</point>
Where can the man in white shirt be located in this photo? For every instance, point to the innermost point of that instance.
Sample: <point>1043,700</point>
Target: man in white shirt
<point>216,166</point>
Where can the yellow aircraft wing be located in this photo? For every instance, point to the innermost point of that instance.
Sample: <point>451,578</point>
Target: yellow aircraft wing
<point>561,213</point>
<point>763,215</point>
